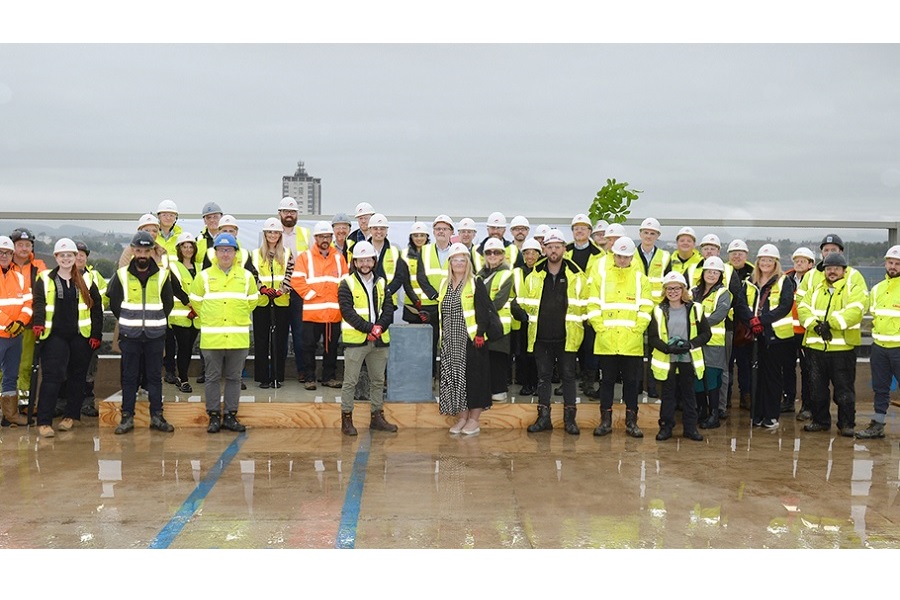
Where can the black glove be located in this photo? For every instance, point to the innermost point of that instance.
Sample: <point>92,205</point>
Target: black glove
<point>824,330</point>
<point>679,346</point>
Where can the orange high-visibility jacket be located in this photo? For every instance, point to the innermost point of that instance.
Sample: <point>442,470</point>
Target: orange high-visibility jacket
<point>316,279</point>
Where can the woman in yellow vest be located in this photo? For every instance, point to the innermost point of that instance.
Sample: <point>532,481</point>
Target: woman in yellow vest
<point>272,317</point>
<point>765,307</point>
<point>68,323</point>
<point>465,377</point>
<point>677,333</point>
<point>418,237</point>
<point>183,320</point>
<point>712,293</point>
<point>497,278</point>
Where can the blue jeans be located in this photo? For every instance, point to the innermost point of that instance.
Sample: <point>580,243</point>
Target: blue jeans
<point>142,356</point>
<point>10,355</point>
<point>885,364</point>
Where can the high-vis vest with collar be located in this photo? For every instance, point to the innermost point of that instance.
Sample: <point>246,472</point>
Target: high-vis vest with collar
<point>15,301</point>
<point>655,271</point>
<point>142,307</point>
<point>412,261</point>
<point>361,301</point>
<point>315,279</point>
<point>84,313</point>
<point>843,310</point>
<point>180,311</point>
<point>433,270</point>
<point>496,282</point>
<point>660,362</point>
<point>225,303</point>
<point>619,308</point>
<point>709,306</point>
<point>467,299</point>
<point>270,279</point>
<point>884,304</point>
<point>511,251</point>
<point>577,295</point>
<point>783,327</point>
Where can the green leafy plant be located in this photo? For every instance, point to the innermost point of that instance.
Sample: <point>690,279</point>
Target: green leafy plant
<point>613,202</point>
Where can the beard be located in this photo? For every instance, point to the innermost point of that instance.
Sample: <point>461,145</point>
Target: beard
<point>288,221</point>
<point>142,263</point>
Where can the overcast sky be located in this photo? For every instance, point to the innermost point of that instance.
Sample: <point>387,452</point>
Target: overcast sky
<point>709,130</point>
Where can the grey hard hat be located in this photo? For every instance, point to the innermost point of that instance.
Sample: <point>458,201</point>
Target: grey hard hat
<point>211,208</point>
<point>835,259</point>
<point>341,218</point>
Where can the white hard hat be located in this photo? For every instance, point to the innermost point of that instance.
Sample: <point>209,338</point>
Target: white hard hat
<point>227,220</point>
<point>442,219</point>
<point>738,245</point>
<point>167,206</point>
<point>581,219</point>
<point>519,221</point>
<point>496,219</point>
<point>804,252</point>
<point>615,230</point>
<point>6,243</point>
<point>419,227</point>
<point>271,224</point>
<point>686,231</point>
<point>378,220</point>
<point>147,219</point>
<point>651,224</point>
<point>624,246</point>
<point>364,250</point>
<point>493,244</point>
<point>364,208</point>
<point>65,245</point>
<point>321,228</point>
<point>768,250</point>
<point>466,224</point>
<point>186,236</point>
<point>531,244</point>
<point>673,277</point>
<point>601,226</point>
<point>457,248</point>
<point>893,252</point>
<point>287,203</point>
<point>713,263</point>
<point>541,230</point>
<point>554,235</point>
<point>711,239</point>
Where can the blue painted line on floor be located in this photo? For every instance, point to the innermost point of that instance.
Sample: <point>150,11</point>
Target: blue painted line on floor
<point>193,503</point>
<point>346,537</point>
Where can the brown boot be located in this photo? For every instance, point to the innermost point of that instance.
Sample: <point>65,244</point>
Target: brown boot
<point>379,423</point>
<point>10,406</point>
<point>347,427</point>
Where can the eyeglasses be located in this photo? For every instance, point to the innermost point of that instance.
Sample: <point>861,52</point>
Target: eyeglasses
<point>442,229</point>
<point>670,290</point>
<point>493,252</point>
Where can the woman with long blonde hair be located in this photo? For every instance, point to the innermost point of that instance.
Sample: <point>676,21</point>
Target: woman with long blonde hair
<point>272,315</point>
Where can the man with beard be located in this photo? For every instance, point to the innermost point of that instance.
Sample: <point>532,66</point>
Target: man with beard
<point>295,239</point>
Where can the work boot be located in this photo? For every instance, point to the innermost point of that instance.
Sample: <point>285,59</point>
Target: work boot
<point>379,423</point>
<point>543,422</point>
<point>347,427</point>
<point>215,421</point>
<point>665,432</point>
<point>692,434</point>
<point>170,377</point>
<point>805,414</point>
<point>605,425</point>
<point>746,400</point>
<point>11,416</point>
<point>126,424</point>
<point>874,430</point>
<point>712,422</point>
<point>88,409</point>
<point>231,423</point>
<point>631,426</point>
<point>159,423</point>
<point>787,405</point>
<point>569,420</point>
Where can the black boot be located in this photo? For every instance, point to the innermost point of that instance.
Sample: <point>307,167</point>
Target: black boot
<point>712,422</point>
<point>543,422</point>
<point>231,423</point>
<point>665,432</point>
<point>702,408</point>
<point>126,424</point>
<point>379,423</point>
<point>787,405</point>
<point>605,425</point>
<point>159,423</point>
<point>631,426</point>
<point>569,420</point>
<point>692,434</point>
<point>215,421</point>
<point>347,427</point>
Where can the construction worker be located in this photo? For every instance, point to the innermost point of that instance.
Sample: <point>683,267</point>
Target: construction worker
<point>211,214</point>
<point>467,229</point>
<point>496,228</point>
<point>831,311</point>
<point>686,259</point>
<point>709,246</point>
<point>713,294</point>
<point>340,225</point>
<point>169,230</point>
<point>183,319</point>
<point>228,224</point>
<point>519,228</point>
<point>141,298</point>
<point>432,269</point>
<point>224,296</point>
<point>526,368</point>
<point>738,354</point>
<point>804,260</point>
<point>497,278</point>
<point>555,297</point>
<point>25,263</point>
<point>418,238</point>
<point>598,234</point>
<point>15,316</point>
<point>81,258</point>
<point>363,213</point>
<point>831,243</point>
<point>367,312</point>
<point>317,273</point>
<point>149,223</point>
<point>655,261</point>
<point>297,240</point>
<point>584,253</point>
<point>619,309</point>
<point>884,304</point>
<point>389,264</point>
<point>272,316</point>
<point>539,233</point>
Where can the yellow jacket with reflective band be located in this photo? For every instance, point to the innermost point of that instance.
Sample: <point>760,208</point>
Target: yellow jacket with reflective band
<point>660,362</point>
<point>814,277</point>
<point>101,284</point>
<point>518,275</point>
<point>170,244</point>
<point>511,251</point>
<point>413,263</point>
<point>270,279</point>
<point>84,313</point>
<point>496,282</point>
<point>349,333</point>
<point>783,327</point>
<point>142,306</point>
<point>389,261</point>
<point>655,271</point>
<point>843,310</point>
<point>619,306</point>
<point>225,303</point>
<point>180,311</point>
<point>592,259</point>
<point>688,268</point>
<point>435,273</point>
<point>709,306</point>
<point>576,292</point>
<point>884,304</point>
<point>467,299</point>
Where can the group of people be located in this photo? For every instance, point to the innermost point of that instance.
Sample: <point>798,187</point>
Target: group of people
<point>603,309</point>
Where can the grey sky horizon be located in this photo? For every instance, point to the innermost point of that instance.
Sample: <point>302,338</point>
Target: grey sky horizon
<point>737,131</point>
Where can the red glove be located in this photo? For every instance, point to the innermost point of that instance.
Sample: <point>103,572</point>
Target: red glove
<point>94,343</point>
<point>423,316</point>
<point>419,304</point>
<point>371,338</point>
<point>479,341</point>
<point>377,330</point>
<point>267,291</point>
<point>278,294</point>
<point>756,326</point>
<point>38,331</point>
<point>192,315</point>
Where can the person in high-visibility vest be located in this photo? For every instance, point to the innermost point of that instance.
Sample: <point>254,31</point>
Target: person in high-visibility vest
<point>655,262</point>
<point>432,269</point>
<point>88,409</point>
<point>738,355</point>
<point>884,304</point>
<point>169,229</point>
<point>211,214</point>
<point>598,234</point>
<point>804,260</point>
<point>583,252</point>
<point>389,264</point>
<point>677,333</point>
<point>526,367</point>
<point>367,311</point>
<point>496,229</point>
<point>363,213</point>
<point>712,293</point>
<point>25,262</point>
<point>273,315</point>
<point>183,321</point>
<point>497,278</point>
<point>340,225</point>
<point>15,316</point>
<point>418,239</point>
<point>298,240</point>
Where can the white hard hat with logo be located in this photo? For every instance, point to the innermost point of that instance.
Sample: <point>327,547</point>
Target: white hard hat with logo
<point>457,249</point>
<point>651,224</point>
<point>467,224</point>
<point>364,250</point>
<point>147,219</point>
<point>805,253</point>
<point>363,209</point>
<point>442,219</point>
<point>272,224</point>
<point>893,252</point>
<point>65,245</point>
<point>624,246</point>
<point>601,226</point>
<point>738,245</point>
<point>519,221</point>
<point>686,231</point>
<point>419,227</point>
<point>541,230</point>
<point>322,228</point>
<point>496,219</point>
<point>713,263</point>
<point>615,230</point>
<point>185,236</point>
<point>554,236</point>
<point>581,219</point>
<point>167,206</point>
<point>378,220</point>
<point>228,220</point>
<point>288,203</point>
<point>770,251</point>
<point>531,244</point>
<point>711,239</point>
<point>674,277</point>
<point>493,244</point>
<point>6,243</point>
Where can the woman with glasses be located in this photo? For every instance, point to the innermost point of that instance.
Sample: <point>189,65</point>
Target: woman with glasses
<point>715,298</point>
<point>497,278</point>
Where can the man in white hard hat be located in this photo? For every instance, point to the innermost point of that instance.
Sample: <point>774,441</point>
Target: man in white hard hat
<point>431,270</point>
<point>526,368</point>
<point>803,259</point>
<point>297,240</point>
<point>363,213</point>
<point>739,355</point>
<point>519,228</point>
<point>655,262</point>
<point>598,234</point>
<point>389,265</point>
<point>884,300</point>
<point>539,232</point>
<point>169,230</point>
<point>686,259</point>
<point>587,255</point>
<point>467,230</point>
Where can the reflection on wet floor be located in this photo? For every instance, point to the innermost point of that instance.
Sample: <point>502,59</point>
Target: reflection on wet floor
<point>424,488</point>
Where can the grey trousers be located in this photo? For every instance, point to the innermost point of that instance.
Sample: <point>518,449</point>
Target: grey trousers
<point>224,365</point>
<point>376,361</point>
<point>726,372</point>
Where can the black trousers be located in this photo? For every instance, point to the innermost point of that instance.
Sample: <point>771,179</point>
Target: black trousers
<point>837,369</point>
<point>799,353</point>
<point>64,358</point>
<point>185,337</point>
<point>546,355</point>
<point>630,368</point>
<point>139,355</point>
<point>311,333</point>
<point>679,386</point>
<point>265,368</point>
<point>499,371</point>
<point>169,359</point>
<point>770,378</point>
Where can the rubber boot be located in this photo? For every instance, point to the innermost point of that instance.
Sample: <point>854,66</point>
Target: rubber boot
<point>347,427</point>
<point>605,425</point>
<point>569,420</point>
<point>126,424</point>
<point>215,421</point>
<point>379,423</point>
<point>631,426</point>
<point>10,406</point>
<point>232,424</point>
<point>543,422</point>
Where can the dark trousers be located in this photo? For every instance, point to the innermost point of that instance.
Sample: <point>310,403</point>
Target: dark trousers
<point>770,378</point>
<point>837,369</point>
<point>798,353</point>
<point>546,355</point>
<point>499,371</point>
<point>330,333</point>
<point>142,354</point>
<point>518,342</point>
<point>265,368</point>
<point>587,360</point>
<point>885,363</point>
<point>185,337</point>
<point>169,360</point>
<point>679,388</point>
<point>296,324</point>
<point>741,357</point>
<point>630,369</point>
<point>63,358</point>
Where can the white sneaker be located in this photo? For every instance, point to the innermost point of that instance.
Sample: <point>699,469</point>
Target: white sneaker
<point>498,397</point>
<point>771,424</point>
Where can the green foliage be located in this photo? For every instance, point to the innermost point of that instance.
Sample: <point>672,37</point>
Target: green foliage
<point>613,202</point>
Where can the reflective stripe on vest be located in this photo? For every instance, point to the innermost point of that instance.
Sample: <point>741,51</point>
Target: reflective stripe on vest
<point>709,306</point>
<point>84,313</point>
<point>884,304</point>
<point>497,280</point>
<point>349,333</point>
<point>783,327</point>
<point>660,362</point>
<point>467,299</point>
<point>142,307</point>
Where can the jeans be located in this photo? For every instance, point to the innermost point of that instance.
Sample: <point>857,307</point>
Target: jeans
<point>546,354</point>
<point>10,355</point>
<point>142,355</point>
<point>885,364</point>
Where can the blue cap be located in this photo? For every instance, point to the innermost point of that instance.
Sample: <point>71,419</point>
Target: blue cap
<point>225,239</point>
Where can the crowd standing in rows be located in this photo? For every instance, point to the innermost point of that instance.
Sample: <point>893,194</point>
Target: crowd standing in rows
<point>603,309</point>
